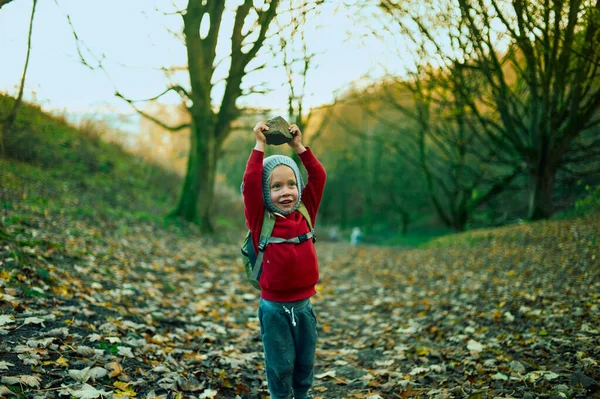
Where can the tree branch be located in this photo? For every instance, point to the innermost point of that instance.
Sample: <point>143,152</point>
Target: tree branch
<point>152,118</point>
<point>10,120</point>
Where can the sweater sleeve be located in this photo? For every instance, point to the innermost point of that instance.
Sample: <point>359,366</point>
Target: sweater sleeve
<point>254,208</point>
<point>313,192</point>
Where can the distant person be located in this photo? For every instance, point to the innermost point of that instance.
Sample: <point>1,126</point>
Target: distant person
<point>355,236</point>
<point>289,269</point>
<point>333,234</point>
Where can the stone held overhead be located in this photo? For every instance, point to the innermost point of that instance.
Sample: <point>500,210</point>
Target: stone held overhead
<point>278,132</point>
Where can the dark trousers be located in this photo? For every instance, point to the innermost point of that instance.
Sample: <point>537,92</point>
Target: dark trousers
<point>289,334</point>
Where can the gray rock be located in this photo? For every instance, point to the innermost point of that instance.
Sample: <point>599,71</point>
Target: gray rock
<point>278,132</point>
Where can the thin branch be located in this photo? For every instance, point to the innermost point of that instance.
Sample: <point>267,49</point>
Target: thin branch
<point>180,90</point>
<point>177,88</point>
<point>153,119</point>
<point>10,120</point>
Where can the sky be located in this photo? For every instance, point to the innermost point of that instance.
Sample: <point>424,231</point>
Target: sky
<point>134,40</point>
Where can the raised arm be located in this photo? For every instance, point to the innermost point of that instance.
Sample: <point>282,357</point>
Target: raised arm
<point>254,208</point>
<point>313,192</point>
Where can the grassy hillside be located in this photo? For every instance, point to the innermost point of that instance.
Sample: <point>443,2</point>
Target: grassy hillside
<point>50,166</point>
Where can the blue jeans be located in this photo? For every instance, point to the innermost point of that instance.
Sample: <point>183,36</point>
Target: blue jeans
<point>289,334</point>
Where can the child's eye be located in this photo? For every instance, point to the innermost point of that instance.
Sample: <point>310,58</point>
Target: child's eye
<point>275,186</point>
<point>292,184</point>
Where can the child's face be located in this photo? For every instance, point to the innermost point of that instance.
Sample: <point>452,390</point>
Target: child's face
<point>284,191</point>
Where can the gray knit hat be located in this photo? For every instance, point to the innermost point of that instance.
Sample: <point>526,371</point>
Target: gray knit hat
<point>269,163</point>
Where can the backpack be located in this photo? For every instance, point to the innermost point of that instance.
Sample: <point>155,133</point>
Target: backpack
<point>253,261</point>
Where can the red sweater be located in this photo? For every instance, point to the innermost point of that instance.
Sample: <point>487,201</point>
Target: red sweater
<point>290,271</point>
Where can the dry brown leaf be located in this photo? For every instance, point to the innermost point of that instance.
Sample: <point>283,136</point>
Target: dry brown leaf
<point>115,369</point>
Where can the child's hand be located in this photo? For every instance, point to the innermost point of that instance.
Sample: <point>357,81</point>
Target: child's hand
<point>258,130</point>
<point>296,142</point>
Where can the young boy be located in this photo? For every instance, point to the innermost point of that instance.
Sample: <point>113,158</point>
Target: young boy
<point>289,271</point>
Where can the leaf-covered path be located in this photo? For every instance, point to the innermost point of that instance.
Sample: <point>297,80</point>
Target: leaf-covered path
<point>94,310</point>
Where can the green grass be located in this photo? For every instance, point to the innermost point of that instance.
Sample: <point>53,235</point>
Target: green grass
<point>50,166</point>
<point>411,240</point>
<point>465,240</point>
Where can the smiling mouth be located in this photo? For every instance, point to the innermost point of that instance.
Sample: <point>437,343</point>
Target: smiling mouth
<point>286,203</point>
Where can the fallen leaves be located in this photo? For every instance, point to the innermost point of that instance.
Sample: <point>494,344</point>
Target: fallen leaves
<point>85,374</point>
<point>6,319</point>
<point>115,369</point>
<point>474,347</point>
<point>152,314</point>
<point>4,391</point>
<point>29,380</point>
<point>84,391</point>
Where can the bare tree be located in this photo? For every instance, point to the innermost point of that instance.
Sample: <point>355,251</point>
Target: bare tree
<point>211,125</point>
<point>8,122</point>
<point>298,59</point>
<point>540,66</point>
<point>210,128</point>
<point>445,146</point>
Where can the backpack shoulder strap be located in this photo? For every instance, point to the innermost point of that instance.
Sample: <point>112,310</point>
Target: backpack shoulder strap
<point>263,241</point>
<point>266,230</point>
<point>302,209</point>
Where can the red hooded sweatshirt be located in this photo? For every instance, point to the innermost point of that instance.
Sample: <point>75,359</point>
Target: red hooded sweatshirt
<point>289,271</point>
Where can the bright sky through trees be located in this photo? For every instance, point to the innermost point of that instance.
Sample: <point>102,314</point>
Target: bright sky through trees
<point>137,40</point>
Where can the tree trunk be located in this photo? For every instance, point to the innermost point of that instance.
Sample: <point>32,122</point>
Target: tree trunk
<point>196,200</point>
<point>542,174</point>
<point>541,183</point>
<point>207,193</point>
<point>405,222</point>
<point>459,220</point>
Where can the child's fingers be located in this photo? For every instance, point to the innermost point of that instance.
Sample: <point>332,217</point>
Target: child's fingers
<point>294,129</point>
<point>260,127</point>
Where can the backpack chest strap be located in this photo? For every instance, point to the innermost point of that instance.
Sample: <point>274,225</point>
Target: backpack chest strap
<point>296,240</point>
<point>265,241</point>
